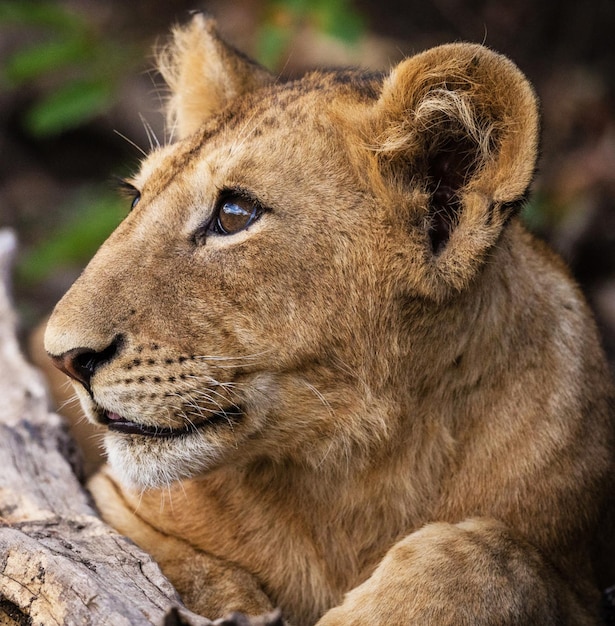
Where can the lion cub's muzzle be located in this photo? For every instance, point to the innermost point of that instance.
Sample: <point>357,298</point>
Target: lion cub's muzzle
<point>81,364</point>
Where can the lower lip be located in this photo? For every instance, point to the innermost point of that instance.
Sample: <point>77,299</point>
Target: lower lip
<point>116,423</point>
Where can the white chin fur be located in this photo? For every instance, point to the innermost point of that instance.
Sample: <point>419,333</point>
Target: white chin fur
<point>154,463</point>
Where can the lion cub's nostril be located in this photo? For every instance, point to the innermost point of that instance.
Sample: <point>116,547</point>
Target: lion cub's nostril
<point>78,363</point>
<point>81,363</point>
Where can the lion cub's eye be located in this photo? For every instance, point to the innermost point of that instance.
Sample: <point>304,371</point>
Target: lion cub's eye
<point>234,213</point>
<point>131,191</point>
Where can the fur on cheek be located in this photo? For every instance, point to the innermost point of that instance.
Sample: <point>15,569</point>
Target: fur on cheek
<point>159,463</point>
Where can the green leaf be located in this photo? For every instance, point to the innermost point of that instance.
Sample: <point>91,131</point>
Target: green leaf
<point>39,14</point>
<point>338,19</point>
<point>272,44</point>
<point>43,58</point>
<point>299,7</point>
<point>68,107</point>
<point>76,242</point>
<point>344,25</point>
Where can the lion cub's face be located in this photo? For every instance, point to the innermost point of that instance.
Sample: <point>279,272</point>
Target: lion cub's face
<point>253,302</point>
<point>218,303</point>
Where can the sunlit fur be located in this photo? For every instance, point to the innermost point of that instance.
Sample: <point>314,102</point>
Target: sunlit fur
<point>426,433</point>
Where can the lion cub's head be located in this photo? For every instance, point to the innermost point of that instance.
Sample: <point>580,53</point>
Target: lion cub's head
<point>276,291</point>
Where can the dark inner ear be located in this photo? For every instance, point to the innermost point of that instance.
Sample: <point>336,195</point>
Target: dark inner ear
<point>450,166</point>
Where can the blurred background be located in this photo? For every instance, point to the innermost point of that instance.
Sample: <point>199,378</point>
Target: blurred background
<point>79,102</point>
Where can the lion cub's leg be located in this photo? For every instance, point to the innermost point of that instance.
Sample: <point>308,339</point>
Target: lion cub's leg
<point>474,573</point>
<point>207,584</point>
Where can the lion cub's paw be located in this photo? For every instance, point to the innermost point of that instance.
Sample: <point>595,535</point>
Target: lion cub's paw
<point>475,572</point>
<point>214,588</point>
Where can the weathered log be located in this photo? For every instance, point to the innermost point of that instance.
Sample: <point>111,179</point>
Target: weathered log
<point>59,562</point>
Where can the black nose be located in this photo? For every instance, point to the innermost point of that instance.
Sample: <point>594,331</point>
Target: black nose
<point>81,363</point>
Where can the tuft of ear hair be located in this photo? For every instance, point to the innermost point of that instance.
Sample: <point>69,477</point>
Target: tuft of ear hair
<point>204,74</point>
<point>460,123</point>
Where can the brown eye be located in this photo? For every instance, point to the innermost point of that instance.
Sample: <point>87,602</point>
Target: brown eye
<point>234,213</point>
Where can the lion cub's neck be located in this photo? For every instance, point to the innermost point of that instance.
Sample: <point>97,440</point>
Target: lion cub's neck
<point>329,523</point>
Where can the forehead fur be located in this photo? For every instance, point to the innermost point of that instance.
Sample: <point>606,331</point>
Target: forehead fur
<point>283,106</point>
<point>448,139</point>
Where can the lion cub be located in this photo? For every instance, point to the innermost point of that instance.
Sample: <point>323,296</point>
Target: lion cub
<point>337,374</point>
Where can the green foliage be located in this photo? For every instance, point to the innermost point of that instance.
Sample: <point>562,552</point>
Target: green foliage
<point>69,106</point>
<point>99,213</point>
<point>39,59</point>
<point>284,18</point>
<point>75,68</point>
<point>48,14</point>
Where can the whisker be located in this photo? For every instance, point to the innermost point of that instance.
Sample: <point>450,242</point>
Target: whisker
<point>240,141</point>
<point>239,358</point>
<point>132,143</point>
<point>72,401</point>
<point>209,390</point>
<point>151,135</point>
<point>184,416</point>
<point>320,396</point>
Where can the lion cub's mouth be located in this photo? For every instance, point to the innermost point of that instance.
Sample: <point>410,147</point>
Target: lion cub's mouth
<point>117,423</point>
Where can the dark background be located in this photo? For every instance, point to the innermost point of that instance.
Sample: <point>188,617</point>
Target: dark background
<point>49,181</point>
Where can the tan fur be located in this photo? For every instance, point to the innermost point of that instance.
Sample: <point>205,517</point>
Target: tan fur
<point>426,435</point>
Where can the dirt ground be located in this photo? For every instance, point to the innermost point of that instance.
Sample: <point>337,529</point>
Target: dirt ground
<point>562,45</point>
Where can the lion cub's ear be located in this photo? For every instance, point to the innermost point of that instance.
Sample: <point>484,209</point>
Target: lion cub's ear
<point>204,74</point>
<point>459,125</point>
